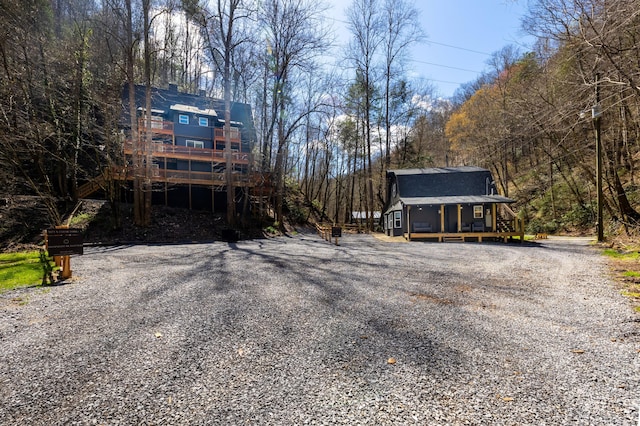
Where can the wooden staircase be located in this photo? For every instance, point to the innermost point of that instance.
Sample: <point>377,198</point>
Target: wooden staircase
<point>503,224</point>
<point>92,186</point>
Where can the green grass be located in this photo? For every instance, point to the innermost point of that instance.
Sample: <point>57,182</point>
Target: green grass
<point>81,218</point>
<point>631,274</point>
<point>626,255</point>
<point>19,270</point>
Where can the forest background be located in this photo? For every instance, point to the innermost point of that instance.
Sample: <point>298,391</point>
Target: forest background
<point>330,132</point>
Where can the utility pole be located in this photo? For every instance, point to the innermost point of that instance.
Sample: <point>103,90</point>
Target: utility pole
<point>595,114</point>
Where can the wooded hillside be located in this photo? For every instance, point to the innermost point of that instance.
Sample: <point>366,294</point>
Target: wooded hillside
<point>331,121</point>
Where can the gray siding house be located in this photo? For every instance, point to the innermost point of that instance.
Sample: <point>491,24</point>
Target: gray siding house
<point>448,204</point>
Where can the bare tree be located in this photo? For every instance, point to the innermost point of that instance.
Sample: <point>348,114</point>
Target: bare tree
<point>225,28</point>
<point>402,30</point>
<point>295,35</point>
<point>366,25</point>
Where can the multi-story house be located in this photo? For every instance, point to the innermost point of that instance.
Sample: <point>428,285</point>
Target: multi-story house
<point>187,150</point>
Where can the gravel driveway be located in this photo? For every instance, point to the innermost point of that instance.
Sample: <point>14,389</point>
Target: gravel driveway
<point>298,331</point>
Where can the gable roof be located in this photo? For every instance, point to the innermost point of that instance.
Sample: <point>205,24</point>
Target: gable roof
<point>446,185</point>
<point>165,100</point>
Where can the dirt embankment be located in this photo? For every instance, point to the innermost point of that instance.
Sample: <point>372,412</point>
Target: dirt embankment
<point>23,219</point>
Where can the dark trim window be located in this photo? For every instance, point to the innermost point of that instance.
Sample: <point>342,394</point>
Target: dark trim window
<point>194,144</point>
<point>477,212</point>
<point>183,119</point>
<point>203,121</point>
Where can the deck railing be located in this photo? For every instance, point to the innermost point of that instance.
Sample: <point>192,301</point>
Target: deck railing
<point>197,154</point>
<point>234,134</point>
<point>509,215</point>
<point>197,178</point>
<point>161,126</point>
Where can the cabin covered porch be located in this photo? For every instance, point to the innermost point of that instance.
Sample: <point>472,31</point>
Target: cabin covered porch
<point>470,218</point>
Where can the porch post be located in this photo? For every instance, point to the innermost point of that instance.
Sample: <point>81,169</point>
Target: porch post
<point>442,218</point>
<point>408,223</point>
<point>494,218</point>
<point>459,218</point>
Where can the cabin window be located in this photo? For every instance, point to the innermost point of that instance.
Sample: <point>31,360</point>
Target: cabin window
<point>195,144</point>
<point>183,119</point>
<point>397,219</point>
<point>477,212</point>
<point>203,121</point>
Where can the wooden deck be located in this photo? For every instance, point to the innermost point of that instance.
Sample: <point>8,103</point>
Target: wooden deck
<point>178,152</point>
<point>185,177</point>
<point>464,236</point>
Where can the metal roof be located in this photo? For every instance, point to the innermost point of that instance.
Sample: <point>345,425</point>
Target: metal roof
<point>462,199</point>
<point>193,109</point>
<point>437,170</point>
<point>448,200</point>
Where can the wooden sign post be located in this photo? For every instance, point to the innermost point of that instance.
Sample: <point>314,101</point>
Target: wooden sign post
<point>64,242</point>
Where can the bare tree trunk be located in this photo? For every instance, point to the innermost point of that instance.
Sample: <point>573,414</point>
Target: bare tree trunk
<point>145,214</point>
<point>138,200</point>
<point>228,49</point>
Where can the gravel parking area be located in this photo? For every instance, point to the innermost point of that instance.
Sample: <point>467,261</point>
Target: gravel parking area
<point>296,331</point>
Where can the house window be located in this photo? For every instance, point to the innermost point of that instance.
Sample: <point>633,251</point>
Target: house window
<point>194,144</point>
<point>397,219</point>
<point>477,212</point>
<point>389,221</point>
<point>183,119</point>
<point>203,121</point>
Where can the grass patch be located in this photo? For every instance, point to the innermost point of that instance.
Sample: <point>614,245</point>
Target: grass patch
<point>624,255</point>
<point>621,261</point>
<point>20,270</point>
<point>81,219</point>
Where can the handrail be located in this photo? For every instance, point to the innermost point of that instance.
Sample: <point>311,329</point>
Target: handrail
<point>155,124</point>
<point>506,210</point>
<point>195,153</point>
<point>234,134</point>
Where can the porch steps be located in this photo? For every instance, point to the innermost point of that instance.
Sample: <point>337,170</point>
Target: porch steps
<point>451,238</point>
<point>503,224</point>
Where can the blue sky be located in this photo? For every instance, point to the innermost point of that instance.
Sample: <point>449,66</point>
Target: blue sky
<point>461,35</point>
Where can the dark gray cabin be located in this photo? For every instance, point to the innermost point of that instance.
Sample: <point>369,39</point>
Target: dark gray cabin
<point>451,203</point>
